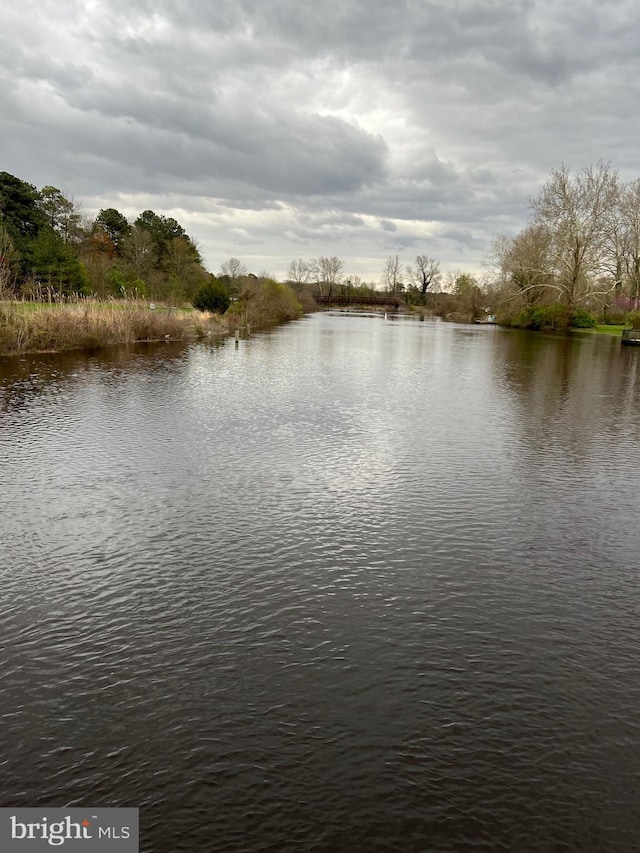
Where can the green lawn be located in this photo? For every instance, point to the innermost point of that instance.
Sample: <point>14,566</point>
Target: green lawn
<point>30,307</point>
<point>609,330</point>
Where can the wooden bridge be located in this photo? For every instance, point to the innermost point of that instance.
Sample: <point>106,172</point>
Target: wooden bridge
<point>386,300</point>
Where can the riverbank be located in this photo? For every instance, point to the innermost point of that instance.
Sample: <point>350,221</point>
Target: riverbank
<point>90,324</point>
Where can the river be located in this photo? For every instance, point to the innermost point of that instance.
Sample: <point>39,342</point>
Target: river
<point>356,584</point>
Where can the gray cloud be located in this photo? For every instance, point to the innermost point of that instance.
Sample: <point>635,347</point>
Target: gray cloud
<point>332,128</point>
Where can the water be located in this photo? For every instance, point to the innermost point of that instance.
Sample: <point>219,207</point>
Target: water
<point>355,585</point>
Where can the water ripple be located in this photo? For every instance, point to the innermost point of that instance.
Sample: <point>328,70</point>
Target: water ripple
<point>354,585</point>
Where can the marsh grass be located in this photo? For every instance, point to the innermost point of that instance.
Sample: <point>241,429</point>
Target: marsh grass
<point>42,327</point>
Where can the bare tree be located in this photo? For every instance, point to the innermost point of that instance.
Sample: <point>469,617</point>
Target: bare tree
<point>575,211</point>
<point>529,263</point>
<point>139,250</point>
<point>299,271</point>
<point>424,274</point>
<point>496,262</point>
<point>314,270</point>
<point>392,274</point>
<point>630,219</point>
<point>234,268</point>
<point>330,270</point>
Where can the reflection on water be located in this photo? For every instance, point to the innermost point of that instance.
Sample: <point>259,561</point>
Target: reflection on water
<point>355,584</point>
<point>23,377</point>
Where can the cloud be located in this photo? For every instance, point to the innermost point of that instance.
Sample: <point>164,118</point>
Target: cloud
<point>335,127</point>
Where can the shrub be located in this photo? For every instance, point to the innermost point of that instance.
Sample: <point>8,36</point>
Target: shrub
<point>613,317</point>
<point>553,316</point>
<point>634,319</point>
<point>523,320</point>
<point>116,281</point>
<point>138,288</point>
<point>273,303</point>
<point>211,296</point>
<point>263,303</point>
<point>582,319</point>
<point>556,316</point>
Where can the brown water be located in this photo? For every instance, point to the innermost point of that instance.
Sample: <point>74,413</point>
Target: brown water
<point>355,585</point>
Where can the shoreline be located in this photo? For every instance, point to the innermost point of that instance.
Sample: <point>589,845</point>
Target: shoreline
<point>33,327</point>
<point>41,328</point>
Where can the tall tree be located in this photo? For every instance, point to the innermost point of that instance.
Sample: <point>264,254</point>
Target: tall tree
<point>233,268</point>
<point>98,254</point>
<point>115,224</point>
<point>61,214</point>
<point>392,274</point>
<point>575,210</point>
<point>139,250</point>
<point>630,219</point>
<point>299,271</point>
<point>529,263</point>
<point>330,272</point>
<point>19,207</point>
<point>161,228</point>
<point>468,296</point>
<point>331,269</point>
<point>54,263</point>
<point>182,264</point>
<point>424,274</point>
<point>314,270</point>
<point>9,264</point>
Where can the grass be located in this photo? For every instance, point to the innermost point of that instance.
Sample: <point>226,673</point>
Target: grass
<point>609,330</point>
<point>90,324</point>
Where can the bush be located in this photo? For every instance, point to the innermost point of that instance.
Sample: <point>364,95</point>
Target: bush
<point>582,319</point>
<point>263,303</point>
<point>212,296</point>
<point>554,316</point>
<point>634,319</point>
<point>273,303</point>
<point>613,317</point>
<point>117,282</point>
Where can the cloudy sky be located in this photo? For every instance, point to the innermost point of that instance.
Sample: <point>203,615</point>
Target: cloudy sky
<point>277,129</point>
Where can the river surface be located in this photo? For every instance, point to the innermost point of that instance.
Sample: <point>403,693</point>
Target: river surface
<point>358,584</point>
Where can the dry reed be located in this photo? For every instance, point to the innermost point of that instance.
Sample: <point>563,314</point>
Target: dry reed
<point>28,327</point>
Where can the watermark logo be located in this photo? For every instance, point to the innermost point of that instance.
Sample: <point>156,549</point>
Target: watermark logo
<point>73,830</point>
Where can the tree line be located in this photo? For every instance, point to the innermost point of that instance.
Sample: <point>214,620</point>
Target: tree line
<point>47,248</point>
<point>411,281</point>
<point>575,262</point>
<point>578,255</point>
